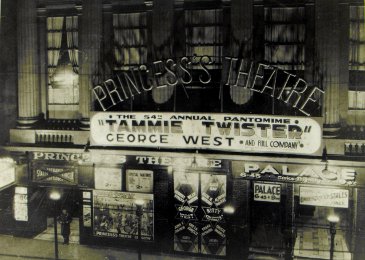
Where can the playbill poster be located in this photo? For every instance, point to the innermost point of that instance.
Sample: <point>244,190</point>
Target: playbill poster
<point>115,215</point>
<point>139,180</point>
<point>199,222</point>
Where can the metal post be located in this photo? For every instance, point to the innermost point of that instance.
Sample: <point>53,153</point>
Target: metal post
<point>333,233</point>
<point>227,213</point>
<point>55,195</point>
<point>139,214</point>
<point>55,237</point>
<point>139,238</point>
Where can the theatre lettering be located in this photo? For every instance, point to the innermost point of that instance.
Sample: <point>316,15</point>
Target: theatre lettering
<point>171,73</point>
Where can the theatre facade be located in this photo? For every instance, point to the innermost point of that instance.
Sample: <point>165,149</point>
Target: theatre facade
<point>227,128</point>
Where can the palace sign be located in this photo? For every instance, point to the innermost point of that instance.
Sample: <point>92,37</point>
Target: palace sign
<point>295,173</point>
<point>268,192</point>
<point>225,132</point>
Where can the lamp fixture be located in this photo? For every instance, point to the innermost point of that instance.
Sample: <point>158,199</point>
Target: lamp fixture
<point>333,219</point>
<point>85,156</point>
<point>54,195</point>
<point>229,210</point>
<point>329,175</point>
<point>139,202</point>
<point>86,147</point>
<point>324,155</point>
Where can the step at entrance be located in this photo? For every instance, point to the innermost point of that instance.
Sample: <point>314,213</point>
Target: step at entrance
<point>48,234</point>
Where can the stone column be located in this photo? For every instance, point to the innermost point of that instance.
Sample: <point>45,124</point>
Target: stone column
<point>241,40</point>
<point>28,77</point>
<point>90,42</point>
<point>344,31</point>
<point>42,46</point>
<point>327,69</point>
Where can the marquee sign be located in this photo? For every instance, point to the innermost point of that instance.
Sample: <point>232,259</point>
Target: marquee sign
<point>228,132</point>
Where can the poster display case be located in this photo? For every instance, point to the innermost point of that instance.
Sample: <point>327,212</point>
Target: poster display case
<point>115,215</point>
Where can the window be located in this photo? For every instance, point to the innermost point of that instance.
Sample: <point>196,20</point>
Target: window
<point>357,58</point>
<point>130,40</point>
<point>284,37</point>
<point>63,66</point>
<point>203,32</point>
<point>357,38</point>
<point>203,48</point>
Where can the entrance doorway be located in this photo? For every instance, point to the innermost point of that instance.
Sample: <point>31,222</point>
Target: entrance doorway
<point>70,200</point>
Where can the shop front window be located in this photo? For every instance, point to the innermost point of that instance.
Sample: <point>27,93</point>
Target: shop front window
<point>313,210</point>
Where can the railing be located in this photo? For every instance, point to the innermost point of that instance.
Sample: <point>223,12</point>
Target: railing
<point>353,132</point>
<point>53,137</point>
<point>61,124</point>
<point>355,148</point>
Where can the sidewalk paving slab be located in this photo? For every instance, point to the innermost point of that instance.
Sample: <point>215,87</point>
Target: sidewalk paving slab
<point>24,248</point>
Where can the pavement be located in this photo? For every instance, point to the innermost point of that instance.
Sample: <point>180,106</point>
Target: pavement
<point>25,248</point>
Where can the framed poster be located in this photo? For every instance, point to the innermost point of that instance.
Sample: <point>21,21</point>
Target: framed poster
<point>21,204</point>
<point>108,178</point>
<point>199,222</point>
<point>115,215</point>
<point>186,191</point>
<point>213,198</point>
<point>139,180</point>
<point>86,216</point>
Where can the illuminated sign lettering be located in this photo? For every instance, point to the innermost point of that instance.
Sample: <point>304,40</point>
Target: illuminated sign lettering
<point>228,132</point>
